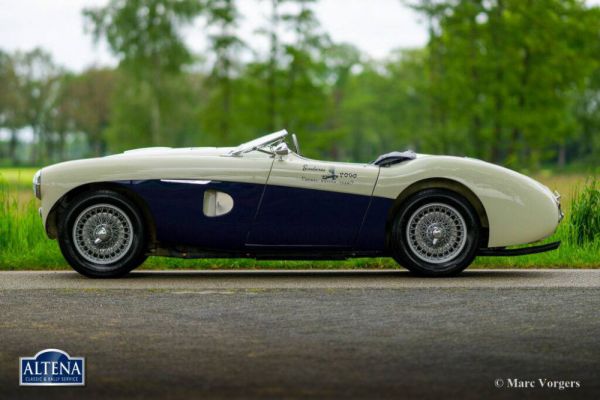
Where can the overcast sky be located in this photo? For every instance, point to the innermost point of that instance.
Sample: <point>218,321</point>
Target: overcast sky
<point>375,26</point>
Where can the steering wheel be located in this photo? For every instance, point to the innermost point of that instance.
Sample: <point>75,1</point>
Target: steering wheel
<point>296,145</point>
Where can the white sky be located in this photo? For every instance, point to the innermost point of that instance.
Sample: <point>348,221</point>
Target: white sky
<point>375,26</point>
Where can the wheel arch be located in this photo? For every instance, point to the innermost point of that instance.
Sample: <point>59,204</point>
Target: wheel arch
<point>63,202</point>
<point>448,184</point>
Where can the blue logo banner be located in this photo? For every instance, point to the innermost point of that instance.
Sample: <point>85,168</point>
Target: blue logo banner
<point>52,367</point>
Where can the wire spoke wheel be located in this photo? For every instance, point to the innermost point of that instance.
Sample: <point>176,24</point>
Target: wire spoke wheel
<point>103,234</point>
<point>436,233</point>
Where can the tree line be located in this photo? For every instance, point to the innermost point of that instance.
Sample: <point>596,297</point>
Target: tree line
<point>516,82</point>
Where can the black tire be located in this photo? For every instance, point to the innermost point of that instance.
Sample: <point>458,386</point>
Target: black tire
<point>416,258</point>
<point>130,250</point>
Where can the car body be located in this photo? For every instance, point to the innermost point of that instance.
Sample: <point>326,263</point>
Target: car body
<point>264,200</point>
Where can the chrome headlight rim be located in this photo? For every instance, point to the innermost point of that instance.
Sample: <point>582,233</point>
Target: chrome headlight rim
<point>37,184</point>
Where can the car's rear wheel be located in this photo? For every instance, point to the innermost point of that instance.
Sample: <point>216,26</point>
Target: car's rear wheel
<point>435,233</point>
<point>102,234</point>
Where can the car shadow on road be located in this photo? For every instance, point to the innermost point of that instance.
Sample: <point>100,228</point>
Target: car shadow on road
<point>367,274</point>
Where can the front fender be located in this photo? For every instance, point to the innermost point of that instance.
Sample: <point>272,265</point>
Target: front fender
<point>59,179</point>
<point>519,209</point>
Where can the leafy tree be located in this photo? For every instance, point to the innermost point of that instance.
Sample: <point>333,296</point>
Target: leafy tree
<point>12,103</point>
<point>223,15</point>
<point>502,74</point>
<point>131,111</point>
<point>86,100</point>
<point>145,36</point>
<point>584,145</point>
<point>511,81</point>
<point>304,93</point>
<point>271,30</point>
<point>339,60</point>
<point>39,80</point>
<point>384,107</point>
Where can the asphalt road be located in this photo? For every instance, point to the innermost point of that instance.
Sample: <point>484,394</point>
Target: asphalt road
<point>317,334</point>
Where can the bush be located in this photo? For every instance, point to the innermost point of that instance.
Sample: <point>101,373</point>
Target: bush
<point>585,214</point>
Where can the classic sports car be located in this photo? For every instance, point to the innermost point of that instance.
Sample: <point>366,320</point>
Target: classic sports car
<point>433,214</point>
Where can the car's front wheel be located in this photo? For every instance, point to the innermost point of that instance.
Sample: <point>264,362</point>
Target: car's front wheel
<point>435,233</point>
<point>102,234</point>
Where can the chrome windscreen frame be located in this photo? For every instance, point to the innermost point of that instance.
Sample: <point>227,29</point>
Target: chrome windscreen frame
<point>270,139</point>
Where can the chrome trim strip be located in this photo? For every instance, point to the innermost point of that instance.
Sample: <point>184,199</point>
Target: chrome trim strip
<point>188,181</point>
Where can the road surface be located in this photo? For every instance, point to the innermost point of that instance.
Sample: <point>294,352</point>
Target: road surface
<point>308,334</point>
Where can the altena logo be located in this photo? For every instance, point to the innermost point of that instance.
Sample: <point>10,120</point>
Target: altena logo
<point>52,367</point>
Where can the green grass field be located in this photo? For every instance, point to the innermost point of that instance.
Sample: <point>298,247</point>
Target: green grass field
<point>24,245</point>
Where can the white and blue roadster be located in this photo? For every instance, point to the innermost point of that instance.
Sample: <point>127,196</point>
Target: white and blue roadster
<point>263,199</point>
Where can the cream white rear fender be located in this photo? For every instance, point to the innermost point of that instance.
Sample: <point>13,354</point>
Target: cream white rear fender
<point>519,209</point>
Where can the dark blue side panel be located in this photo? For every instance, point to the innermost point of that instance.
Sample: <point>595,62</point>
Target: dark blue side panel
<point>301,217</point>
<point>372,234</point>
<point>177,212</point>
<point>287,216</point>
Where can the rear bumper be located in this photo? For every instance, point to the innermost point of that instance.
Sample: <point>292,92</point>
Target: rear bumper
<point>503,251</point>
<point>561,214</point>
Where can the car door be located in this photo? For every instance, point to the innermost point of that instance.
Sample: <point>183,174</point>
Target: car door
<point>312,203</point>
<point>207,202</point>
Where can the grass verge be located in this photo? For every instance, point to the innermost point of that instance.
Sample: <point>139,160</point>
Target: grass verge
<point>24,245</point>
